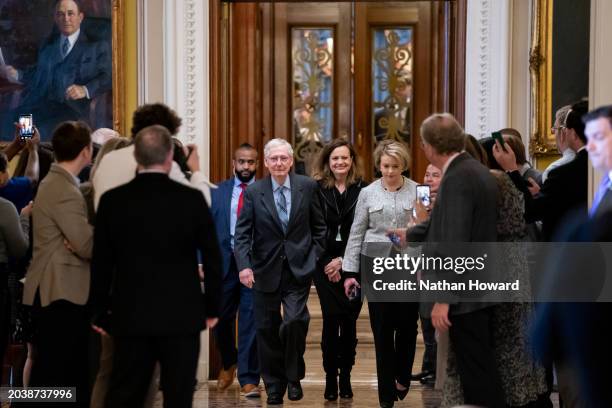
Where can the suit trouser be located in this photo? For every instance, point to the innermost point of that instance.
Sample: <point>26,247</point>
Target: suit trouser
<point>338,342</point>
<point>281,341</point>
<point>61,341</point>
<point>394,326</point>
<point>472,340</point>
<point>237,298</point>
<point>103,376</point>
<point>133,364</point>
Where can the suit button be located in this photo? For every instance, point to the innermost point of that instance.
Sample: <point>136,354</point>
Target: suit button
<point>282,257</point>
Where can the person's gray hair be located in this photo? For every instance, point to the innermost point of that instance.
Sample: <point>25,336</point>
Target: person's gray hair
<point>442,132</point>
<point>152,146</point>
<point>275,143</point>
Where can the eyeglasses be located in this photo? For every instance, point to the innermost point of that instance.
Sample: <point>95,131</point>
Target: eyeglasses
<point>555,128</point>
<point>282,159</point>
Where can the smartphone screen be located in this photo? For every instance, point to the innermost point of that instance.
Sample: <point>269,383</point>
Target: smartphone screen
<point>423,192</point>
<point>26,126</point>
<point>498,136</point>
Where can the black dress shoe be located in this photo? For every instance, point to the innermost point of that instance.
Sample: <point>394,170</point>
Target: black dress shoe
<point>429,380</point>
<point>401,394</point>
<point>331,388</point>
<point>346,391</point>
<point>418,376</point>
<point>275,399</point>
<point>294,391</point>
<point>386,404</point>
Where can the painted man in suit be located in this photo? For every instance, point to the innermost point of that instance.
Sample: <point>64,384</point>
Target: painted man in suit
<point>465,211</point>
<point>279,239</point>
<point>148,280</point>
<point>227,203</point>
<point>58,279</point>
<point>71,70</point>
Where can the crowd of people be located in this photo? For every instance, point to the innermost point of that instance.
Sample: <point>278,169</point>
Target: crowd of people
<point>127,242</point>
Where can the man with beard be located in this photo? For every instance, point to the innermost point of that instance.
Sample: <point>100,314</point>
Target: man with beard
<point>226,205</point>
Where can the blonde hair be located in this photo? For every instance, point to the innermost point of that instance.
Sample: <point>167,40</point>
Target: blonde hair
<point>392,148</point>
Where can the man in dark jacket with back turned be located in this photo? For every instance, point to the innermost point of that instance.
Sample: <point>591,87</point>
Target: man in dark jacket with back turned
<point>145,274</point>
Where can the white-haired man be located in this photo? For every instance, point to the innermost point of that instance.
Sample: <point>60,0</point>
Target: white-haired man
<point>278,241</point>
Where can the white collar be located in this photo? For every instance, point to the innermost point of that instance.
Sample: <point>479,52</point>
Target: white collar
<point>71,38</point>
<point>448,162</point>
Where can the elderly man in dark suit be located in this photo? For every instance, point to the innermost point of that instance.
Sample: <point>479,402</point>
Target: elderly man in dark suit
<point>71,70</point>
<point>279,239</point>
<point>145,275</point>
<point>226,206</point>
<point>465,211</point>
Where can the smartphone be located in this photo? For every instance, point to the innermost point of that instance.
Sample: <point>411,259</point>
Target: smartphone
<point>423,193</point>
<point>26,126</point>
<point>498,136</point>
<point>354,293</point>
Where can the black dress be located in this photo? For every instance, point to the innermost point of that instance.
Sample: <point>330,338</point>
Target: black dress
<point>339,337</point>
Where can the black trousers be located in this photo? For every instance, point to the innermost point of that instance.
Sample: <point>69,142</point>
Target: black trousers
<point>4,314</point>
<point>281,341</point>
<point>338,342</point>
<point>394,326</point>
<point>133,364</point>
<point>471,338</point>
<point>62,333</point>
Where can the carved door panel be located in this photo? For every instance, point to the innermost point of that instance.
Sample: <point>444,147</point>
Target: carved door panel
<point>347,70</point>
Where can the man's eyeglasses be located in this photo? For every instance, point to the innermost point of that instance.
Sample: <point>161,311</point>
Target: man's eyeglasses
<point>555,128</point>
<point>282,159</point>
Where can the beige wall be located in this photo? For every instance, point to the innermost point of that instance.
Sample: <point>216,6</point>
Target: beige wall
<point>600,72</point>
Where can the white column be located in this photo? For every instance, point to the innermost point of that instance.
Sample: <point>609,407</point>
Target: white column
<point>600,67</point>
<point>186,59</point>
<point>186,88</point>
<point>488,49</point>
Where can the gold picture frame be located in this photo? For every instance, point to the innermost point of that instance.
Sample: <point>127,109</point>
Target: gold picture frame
<point>542,141</point>
<point>118,59</point>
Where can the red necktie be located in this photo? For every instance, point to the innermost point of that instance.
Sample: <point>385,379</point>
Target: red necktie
<point>243,186</point>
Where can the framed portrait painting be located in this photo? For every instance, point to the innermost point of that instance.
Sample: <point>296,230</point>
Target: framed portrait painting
<point>59,60</point>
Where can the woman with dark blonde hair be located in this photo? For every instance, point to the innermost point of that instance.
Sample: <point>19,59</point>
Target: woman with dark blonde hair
<point>338,172</point>
<point>383,205</point>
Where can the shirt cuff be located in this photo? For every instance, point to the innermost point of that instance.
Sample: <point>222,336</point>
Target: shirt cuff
<point>86,92</point>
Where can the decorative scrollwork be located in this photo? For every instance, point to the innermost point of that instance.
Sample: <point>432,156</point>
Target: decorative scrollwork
<point>313,61</point>
<point>392,73</point>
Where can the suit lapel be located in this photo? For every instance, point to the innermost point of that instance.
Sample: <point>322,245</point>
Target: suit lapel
<point>296,198</point>
<point>268,201</point>
<point>227,198</point>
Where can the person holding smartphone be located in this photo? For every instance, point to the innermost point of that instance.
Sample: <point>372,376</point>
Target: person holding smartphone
<point>384,204</point>
<point>338,173</point>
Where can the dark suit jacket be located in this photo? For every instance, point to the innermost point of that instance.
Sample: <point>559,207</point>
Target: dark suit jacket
<point>465,211</point>
<point>261,244</point>
<point>88,63</point>
<point>220,207</point>
<point>147,236</point>
<point>565,191</point>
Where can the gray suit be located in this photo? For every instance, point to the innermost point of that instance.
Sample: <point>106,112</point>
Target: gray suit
<point>466,211</point>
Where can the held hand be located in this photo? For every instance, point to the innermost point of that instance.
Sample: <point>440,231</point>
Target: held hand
<point>505,156</point>
<point>211,322</point>
<point>534,187</point>
<point>348,285</point>
<point>75,92</point>
<point>334,277</point>
<point>333,266</point>
<point>246,277</point>
<point>193,158</point>
<point>18,142</point>
<point>439,317</point>
<point>27,210</point>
